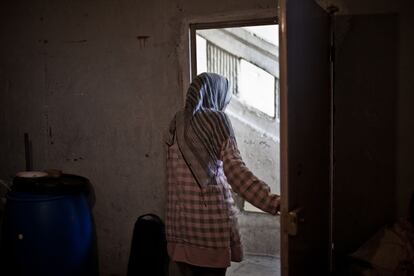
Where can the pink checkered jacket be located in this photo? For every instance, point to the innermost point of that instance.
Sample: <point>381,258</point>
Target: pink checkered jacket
<point>201,223</point>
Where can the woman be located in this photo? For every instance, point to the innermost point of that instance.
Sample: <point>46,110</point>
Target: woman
<point>203,167</point>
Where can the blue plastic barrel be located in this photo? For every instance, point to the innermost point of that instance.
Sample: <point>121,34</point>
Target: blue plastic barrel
<point>48,230</point>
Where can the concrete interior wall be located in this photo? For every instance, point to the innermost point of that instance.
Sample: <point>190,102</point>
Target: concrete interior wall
<point>404,135</point>
<point>376,188</point>
<point>95,83</point>
<point>365,121</point>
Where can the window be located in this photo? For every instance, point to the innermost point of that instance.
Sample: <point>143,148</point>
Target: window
<point>247,57</point>
<point>257,88</point>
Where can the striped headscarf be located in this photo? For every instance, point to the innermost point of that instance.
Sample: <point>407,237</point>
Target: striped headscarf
<point>202,127</point>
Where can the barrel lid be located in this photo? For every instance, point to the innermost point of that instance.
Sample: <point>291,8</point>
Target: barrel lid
<point>49,183</point>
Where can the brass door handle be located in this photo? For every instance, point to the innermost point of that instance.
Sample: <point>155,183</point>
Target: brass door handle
<point>293,219</point>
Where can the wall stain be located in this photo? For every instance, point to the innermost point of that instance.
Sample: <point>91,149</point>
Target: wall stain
<point>49,132</point>
<point>51,136</point>
<point>75,159</point>
<point>45,71</point>
<point>143,40</point>
<point>76,41</point>
<point>264,143</point>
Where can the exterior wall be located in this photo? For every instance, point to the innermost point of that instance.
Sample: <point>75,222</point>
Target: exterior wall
<point>257,140</point>
<point>95,83</point>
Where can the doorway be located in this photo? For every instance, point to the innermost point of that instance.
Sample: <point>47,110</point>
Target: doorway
<point>246,53</point>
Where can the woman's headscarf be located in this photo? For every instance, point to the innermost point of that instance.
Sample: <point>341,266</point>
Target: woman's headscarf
<point>202,127</point>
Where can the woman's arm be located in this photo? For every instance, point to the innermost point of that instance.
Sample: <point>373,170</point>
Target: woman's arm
<point>244,182</point>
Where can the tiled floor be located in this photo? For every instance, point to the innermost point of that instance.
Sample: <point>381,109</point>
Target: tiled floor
<point>254,265</point>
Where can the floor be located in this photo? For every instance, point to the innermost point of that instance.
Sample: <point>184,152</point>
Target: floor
<point>254,265</point>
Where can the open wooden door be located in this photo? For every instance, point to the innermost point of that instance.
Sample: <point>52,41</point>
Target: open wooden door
<point>305,138</point>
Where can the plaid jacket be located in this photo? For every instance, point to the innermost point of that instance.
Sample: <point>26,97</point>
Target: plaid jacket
<point>206,217</point>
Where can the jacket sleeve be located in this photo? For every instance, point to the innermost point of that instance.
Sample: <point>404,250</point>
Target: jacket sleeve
<point>244,182</point>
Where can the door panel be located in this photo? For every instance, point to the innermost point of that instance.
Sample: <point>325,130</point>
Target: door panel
<point>305,136</point>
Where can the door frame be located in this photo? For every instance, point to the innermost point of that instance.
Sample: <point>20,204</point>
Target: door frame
<point>283,136</point>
